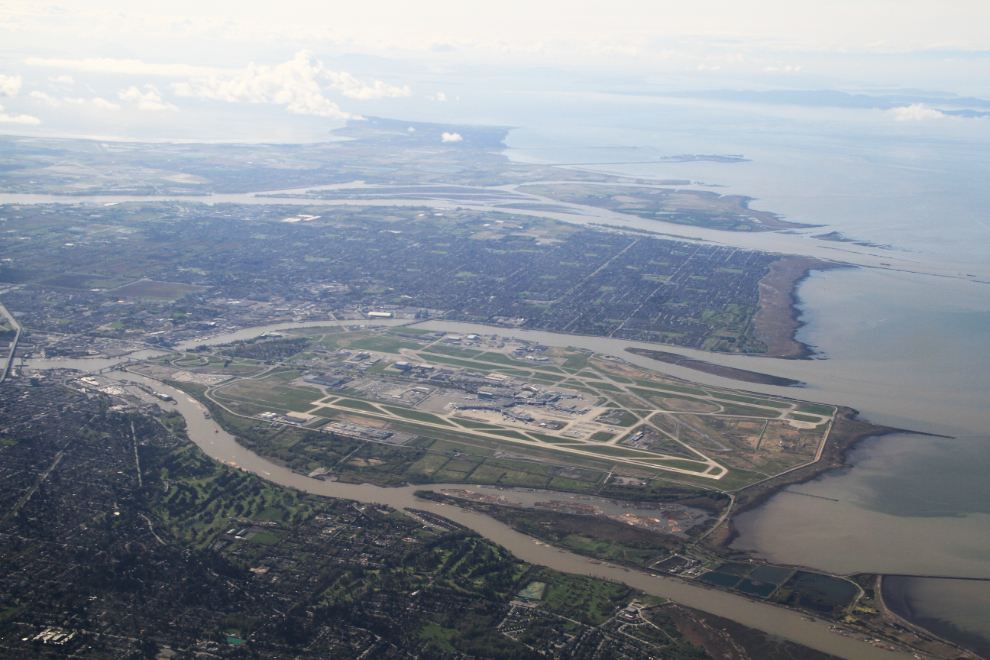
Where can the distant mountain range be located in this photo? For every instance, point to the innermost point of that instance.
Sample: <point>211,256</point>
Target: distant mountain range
<point>964,106</point>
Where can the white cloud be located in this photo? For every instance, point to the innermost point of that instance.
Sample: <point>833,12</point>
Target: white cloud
<point>50,100</point>
<point>451,137</point>
<point>297,84</point>
<point>65,80</point>
<point>916,112</point>
<point>55,102</point>
<point>132,67</point>
<point>19,119</point>
<point>352,87</point>
<point>785,69</point>
<point>10,85</point>
<point>442,47</point>
<point>151,99</point>
<point>106,105</point>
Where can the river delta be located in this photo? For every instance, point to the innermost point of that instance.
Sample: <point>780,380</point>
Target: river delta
<point>902,347</point>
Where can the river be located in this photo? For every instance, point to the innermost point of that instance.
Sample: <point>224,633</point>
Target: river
<point>796,243</point>
<point>911,504</point>
<point>218,444</point>
<point>880,503</point>
<point>906,349</point>
<point>904,487</point>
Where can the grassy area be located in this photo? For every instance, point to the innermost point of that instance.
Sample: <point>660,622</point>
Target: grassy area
<point>205,499</point>
<point>260,393</point>
<point>816,409</point>
<point>477,366</point>
<point>626,419</point>
<point>547,379</point>
<point>576,361</point>
<point>501,358</point>
<point>505,433</point>
<point>385,344</point>
<point>681,465</point>
<point>385,465</point>
<point>655,396</point>
<point>204,495</point>
<point>615,551</point>
<point>745,399</point>
<point>455,351</point>
<point>303,450</point>
<point>582,598</point>
<point>357,405</point>
<point>577,385</point>
<point>439,636</point>
<point>553,440</point>
<point>731,409</point>
<point>614,377</point>
<point>616,451</point>
<point>266,538</point>
<point>467,423</point>
<point>411,331</point>
<point>416,415</point>
<point>286,375</point>
<point>671,388</point>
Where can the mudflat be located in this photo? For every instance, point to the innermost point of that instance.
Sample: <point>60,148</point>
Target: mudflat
<point>776,320</point>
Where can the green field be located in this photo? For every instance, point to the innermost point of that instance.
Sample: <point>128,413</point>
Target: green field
<point>439,635</point>
<point>259,393</point>
<point>745,399</point>
<point>731,419</point>
<point>357,405</point>
<point>416,415</point>
<point>816,409</point>
<point>467,423</point>
<point>385,344</point>
<point>732,409</point>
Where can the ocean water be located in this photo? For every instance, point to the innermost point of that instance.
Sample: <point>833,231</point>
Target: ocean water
<point>906,350</point>
<point>952,608</point>
<point>915,186</point>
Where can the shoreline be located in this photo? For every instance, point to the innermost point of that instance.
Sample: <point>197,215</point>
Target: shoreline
<point>846,433</point>
<point>777,320</point>
<point>942,631</point>
<point>766,218</point>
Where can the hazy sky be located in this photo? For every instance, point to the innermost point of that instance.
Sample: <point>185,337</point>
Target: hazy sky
<point>99,64</point>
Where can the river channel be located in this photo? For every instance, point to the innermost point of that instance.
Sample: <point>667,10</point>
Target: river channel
<point>790,243</point>
<point>222,446</point>
<point>907,350</point>
<point>218,444</point>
